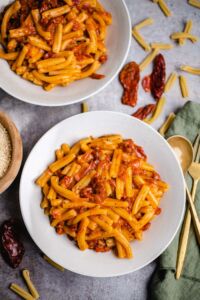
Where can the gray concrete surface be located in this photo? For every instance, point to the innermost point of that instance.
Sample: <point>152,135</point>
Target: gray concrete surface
<point>34,121</point>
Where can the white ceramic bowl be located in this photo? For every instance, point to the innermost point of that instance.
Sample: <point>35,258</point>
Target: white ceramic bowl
<point>62,250</point>
<point>118,44</point>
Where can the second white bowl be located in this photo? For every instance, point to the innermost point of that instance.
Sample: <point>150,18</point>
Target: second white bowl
<point>118,44</point>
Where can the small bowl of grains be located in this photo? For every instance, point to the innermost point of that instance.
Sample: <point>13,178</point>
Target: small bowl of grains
<point>11,151</point>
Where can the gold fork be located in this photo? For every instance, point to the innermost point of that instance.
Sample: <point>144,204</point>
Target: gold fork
<point>194,171</point>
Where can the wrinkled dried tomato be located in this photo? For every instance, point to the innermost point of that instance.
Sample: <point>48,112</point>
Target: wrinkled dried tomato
<point>48,4</point>
<point>76,25</point>
<point>12,248</point>
<point>146,83</point>
<point>146,227</point>
<point>86,192</point>
<point>76,2</point>
<point>129,78</point>
<point>97,76</point>
<point>49,55</point>
<point>158,77</point>
<point>158,211</point>
<point>66,181</point>
<point>52,23</point>
<point>127,146</point>
<point>103,58</point>
<point>98,189</point>
<point>144,111</point>
<point>139,151</point>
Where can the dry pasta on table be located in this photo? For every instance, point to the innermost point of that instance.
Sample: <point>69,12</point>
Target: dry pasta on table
<point>102,193</point>
<point>53,43</point>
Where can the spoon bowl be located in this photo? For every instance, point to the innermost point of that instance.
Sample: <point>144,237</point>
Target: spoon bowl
<point>183,150</point>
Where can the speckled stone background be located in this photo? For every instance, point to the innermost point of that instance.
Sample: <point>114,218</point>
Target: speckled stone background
<point>34,121</point>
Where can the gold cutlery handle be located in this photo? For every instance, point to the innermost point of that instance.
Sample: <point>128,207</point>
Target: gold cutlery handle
<point>183,244</point>
<point>195,217</point>
<point>185,235</point>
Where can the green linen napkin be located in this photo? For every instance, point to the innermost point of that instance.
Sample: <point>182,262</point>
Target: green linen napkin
<point>163,285</point>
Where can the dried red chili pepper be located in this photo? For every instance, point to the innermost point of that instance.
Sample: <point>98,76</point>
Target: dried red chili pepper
<point>97,76</point>
<point>146,83</point>
<point>144,111</point>
<point>158,77</point>
<point>12,248</point>
<point>129,78</point>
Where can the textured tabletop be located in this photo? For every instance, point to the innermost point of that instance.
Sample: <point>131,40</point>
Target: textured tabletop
<point>34,121</point>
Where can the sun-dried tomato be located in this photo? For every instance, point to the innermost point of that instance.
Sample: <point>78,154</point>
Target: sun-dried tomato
<point>146,83</point>
<point>98,245</point>
<point>158,77</point>
<point>139,151</point>
<point>144,111</point>
<point>79,52</point>
<point>12,248</point>
<point>85,170</point>
<point>101,249</point>
<point>129,78</point>
<point>76,2</point>
<point>60,229</point>
<point>76,25</point>
<point>97,76</point>
<point>158,211</point>
<point>66,181</point>
<point>127,146</point>
<point>86,192</point>
<point>156,176</point>
<point>98,189</point>
<point>52,23</point>
<point>48,4</point>
<point>48,55</point>
<point>146,227</point>
<point>103,58</point>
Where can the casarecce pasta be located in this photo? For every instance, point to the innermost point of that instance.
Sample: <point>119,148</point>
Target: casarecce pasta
<point>34,36</point>
<point>102,193</point>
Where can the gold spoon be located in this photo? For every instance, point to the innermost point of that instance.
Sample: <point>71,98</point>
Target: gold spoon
<point>194,171</point>
<point>184,152</point>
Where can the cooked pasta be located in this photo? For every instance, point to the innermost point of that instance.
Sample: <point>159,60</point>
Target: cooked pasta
<point>35,35</point>
<point>102,193</point>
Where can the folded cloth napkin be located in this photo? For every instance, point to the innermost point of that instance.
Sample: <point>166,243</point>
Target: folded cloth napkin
<point>163,285</point>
